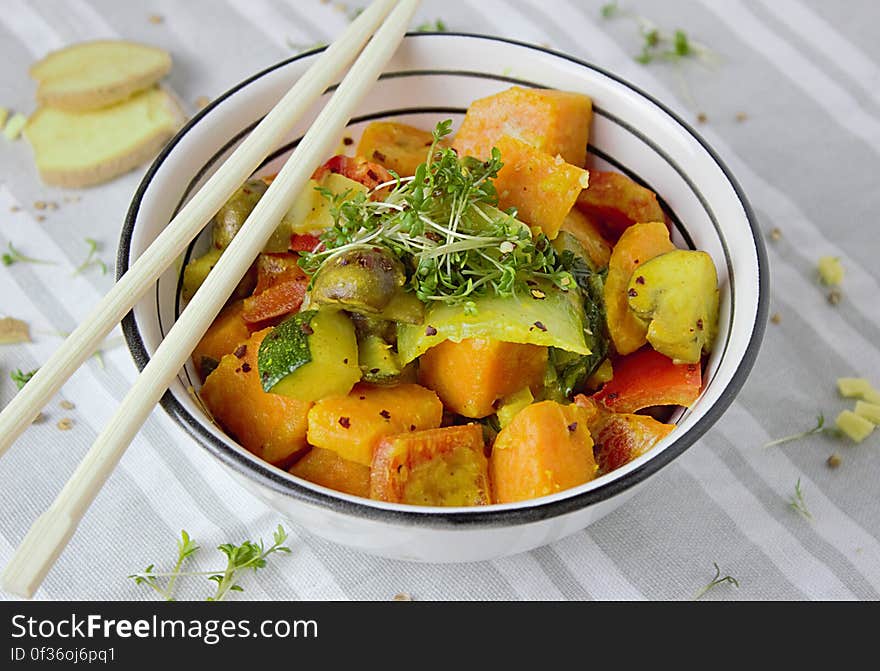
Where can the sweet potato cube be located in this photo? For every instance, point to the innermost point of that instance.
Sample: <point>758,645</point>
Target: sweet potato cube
<point>437,467</point>
<point>395,146</point>
<point>471,375</point>
<point>616,202</point>
<point>545,449</point>
<point>638,244</point>
<point>647,378</point>
<point>328,469</point>
<point>554,122</point>
<point>226,333</point>
<point>352,425</point>
<point>542,188</point>
<point>273,427</point>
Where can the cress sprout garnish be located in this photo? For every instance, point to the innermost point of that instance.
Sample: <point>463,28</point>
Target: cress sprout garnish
<point>444,224</point>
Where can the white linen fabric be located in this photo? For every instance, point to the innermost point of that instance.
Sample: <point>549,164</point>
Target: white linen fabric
<point>791,105</point>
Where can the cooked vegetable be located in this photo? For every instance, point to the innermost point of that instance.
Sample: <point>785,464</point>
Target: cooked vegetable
<point>396,146</point>
<point>271,426</point>
<point>638,244</point>
<point>541,187</point>
<point>196,272</point>
<point>555,122</point>
<point>232,215</point>
<point>328,469</point>
<point>484,290</point>
<point>436,467</point>
<point>593,247</point>
<point>471,375</point>
<point>544,315</point>
<point>621,437</point>
<point>310,355</point>
<point>311,212</point>
<point>509,406</point>
<point>357,168</point>
<point>281,287</point>
<point>615,202</point>
<point>378,361</point>
<point>676,294</point>
<point>545,449</point>
<point>569,371</point>
<point>647,378</point>
<point>854,426</point>
<point>352,425</point>
<point>225,334</point>
<point>362,279</point>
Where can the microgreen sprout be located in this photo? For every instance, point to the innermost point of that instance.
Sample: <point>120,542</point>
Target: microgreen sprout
<point>15,256</point>
<point>20,378</point>
<point>90,258</point>
<point>797,502</point>
<point>437,26</point>
<point>186,548</point>
<point>248,555</point>
<point>444,225</point>
<point>717,580</point>
<point>819,428</point>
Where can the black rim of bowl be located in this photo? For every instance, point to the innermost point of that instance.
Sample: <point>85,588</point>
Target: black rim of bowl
<point>276,480</point>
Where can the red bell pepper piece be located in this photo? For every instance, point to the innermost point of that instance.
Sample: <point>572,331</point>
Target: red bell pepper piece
<point>303,242</point>
<point>647,378</point>
<point>278,300</point>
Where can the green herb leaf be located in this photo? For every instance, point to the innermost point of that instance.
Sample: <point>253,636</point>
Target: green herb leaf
<point>20,378</point>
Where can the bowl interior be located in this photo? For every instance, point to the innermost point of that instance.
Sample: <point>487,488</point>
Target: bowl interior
<point>435,77</point>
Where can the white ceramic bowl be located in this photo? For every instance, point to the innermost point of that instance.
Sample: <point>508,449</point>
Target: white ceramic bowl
<point>433,77</point>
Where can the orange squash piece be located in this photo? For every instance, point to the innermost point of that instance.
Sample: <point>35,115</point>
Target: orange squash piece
<point>437,467</point>
<point>352,425</point>
<point>554,122</point>
<point>639,243</point>
<point>471,375</point>
<point>647,378</point>
<point>541,187</point>
<point>396,146</point>
<point>615,202</point>
<point>226,333</point>
<point>587,232</point>
<point>271,426</point>
<point>545,449</point>
<point>328,469</point>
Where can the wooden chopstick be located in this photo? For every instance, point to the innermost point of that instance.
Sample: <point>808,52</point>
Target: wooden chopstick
<point>180,231</point>
<point>50,533</point>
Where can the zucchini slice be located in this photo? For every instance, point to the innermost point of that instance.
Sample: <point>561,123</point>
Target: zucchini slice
<point>310,355</point>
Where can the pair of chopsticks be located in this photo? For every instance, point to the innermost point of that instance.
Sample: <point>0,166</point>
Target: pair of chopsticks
<point>381,27</point>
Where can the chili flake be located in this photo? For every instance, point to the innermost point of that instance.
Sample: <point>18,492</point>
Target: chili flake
<point>344,422</point>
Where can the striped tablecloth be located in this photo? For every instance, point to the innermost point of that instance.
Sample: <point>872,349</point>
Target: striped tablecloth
<point>792,105</point>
